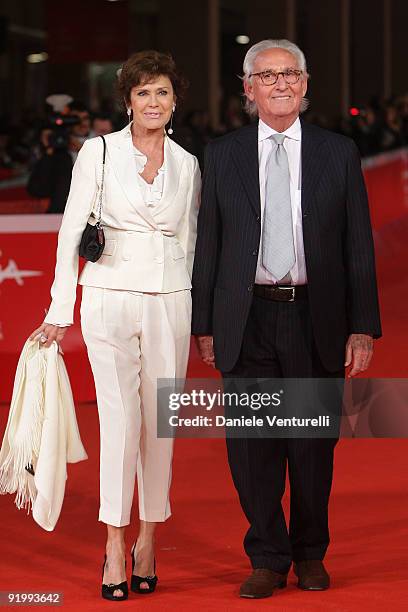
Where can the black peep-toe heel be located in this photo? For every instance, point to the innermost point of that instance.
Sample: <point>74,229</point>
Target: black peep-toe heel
<point>109,589</point>
<point>136,581</point>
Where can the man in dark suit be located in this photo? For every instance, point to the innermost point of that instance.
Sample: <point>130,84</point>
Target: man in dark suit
<point>283,286</point>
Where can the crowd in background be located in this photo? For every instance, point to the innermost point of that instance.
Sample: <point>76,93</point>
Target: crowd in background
<point>44,149</point>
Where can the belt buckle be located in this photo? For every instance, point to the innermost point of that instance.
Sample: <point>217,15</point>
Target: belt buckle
<point>292,289</point>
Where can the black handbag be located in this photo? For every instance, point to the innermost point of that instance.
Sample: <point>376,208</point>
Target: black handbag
<point>93,239</point>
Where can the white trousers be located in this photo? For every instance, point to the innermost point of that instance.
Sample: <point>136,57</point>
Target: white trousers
<point>132,340</point>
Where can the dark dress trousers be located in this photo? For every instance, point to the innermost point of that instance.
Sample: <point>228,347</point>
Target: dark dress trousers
<point>257,338</point>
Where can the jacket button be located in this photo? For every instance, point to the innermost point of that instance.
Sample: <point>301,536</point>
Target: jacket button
<point>255,252</point>
<point>250,287</point>
<point>258,218</point>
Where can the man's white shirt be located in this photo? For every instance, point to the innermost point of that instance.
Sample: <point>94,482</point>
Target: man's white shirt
<point>292,144</point>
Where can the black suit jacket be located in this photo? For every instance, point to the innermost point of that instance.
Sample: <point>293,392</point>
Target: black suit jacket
<point>51,178</point>
<point>336,233</point>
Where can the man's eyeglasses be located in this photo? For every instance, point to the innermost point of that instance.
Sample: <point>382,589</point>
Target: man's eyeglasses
<point>269,77</point>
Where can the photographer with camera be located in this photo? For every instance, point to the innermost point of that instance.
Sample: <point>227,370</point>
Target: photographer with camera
<point>60,141</point>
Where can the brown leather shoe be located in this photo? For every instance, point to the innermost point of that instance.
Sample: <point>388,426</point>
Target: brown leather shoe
<point>312,575</point>
<point>262,583</point>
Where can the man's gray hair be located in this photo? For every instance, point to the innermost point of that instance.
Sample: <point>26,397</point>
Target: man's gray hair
<point>264,45</point>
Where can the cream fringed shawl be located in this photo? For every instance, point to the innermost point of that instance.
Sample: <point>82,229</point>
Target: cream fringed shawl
<point>41,434</point>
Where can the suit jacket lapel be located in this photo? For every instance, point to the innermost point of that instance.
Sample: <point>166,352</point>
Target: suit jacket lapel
<point>173,159</point>
<point>245,156</point>
<point>313,162</point>
<point>123,163</point>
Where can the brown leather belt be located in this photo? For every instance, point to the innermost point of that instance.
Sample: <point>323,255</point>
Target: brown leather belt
<point>281,293</point>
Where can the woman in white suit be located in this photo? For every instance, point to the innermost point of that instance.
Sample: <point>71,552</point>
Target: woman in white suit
<point>136,304</point>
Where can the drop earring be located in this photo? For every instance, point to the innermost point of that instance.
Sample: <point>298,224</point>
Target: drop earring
<point>170,130</point>
<point>129,112</point>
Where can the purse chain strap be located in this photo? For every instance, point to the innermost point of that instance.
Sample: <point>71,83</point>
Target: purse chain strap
<point>98,223</point>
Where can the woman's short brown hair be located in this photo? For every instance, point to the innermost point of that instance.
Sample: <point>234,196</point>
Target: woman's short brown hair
<point>145,66</point>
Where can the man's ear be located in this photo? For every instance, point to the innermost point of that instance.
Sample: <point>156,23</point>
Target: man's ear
<point>304,88</point>
<point>248,89</point>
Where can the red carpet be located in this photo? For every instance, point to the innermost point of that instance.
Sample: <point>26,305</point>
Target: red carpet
<point>199,553</point>
<point>200,560</point>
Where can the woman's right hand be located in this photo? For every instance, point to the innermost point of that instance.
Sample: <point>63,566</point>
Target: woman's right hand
<point>47,333</point>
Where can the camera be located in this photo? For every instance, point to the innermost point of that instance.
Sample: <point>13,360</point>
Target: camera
<point>60,126</point>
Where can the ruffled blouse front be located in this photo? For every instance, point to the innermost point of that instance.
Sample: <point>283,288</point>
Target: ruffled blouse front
<point>152,193</point>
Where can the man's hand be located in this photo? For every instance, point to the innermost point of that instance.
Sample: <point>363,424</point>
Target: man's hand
<point>47,333</point>
<point>359,350</point>
<point>206,350</point>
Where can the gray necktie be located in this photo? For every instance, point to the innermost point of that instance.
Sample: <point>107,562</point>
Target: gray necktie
<point>278,250</point>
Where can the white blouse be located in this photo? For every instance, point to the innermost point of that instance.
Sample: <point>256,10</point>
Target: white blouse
<point>152,193</point>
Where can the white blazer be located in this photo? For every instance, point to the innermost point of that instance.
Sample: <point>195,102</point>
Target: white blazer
<point>148,249</point>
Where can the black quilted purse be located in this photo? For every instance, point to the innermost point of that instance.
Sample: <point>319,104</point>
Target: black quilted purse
<point>93,239</point>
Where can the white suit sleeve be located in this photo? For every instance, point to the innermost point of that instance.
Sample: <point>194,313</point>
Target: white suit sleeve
<point>187,233</point>
<point>79,205</point>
